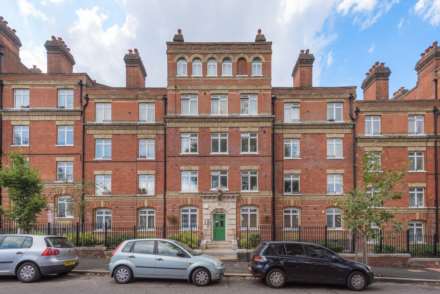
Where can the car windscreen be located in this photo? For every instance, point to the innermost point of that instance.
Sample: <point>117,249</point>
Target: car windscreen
<point>58,242</point>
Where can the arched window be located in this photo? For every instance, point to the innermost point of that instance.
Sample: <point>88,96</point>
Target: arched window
<point>188,218</point>
<point>227,67</point>
<point>64,206</point>
<point>242,66</point>
<point>334,218</point>
<point>182,68</point>
<point>103,219</point>
<point>291,218</point>
<point>257,67</point>
<point>197,67</point>
<point>249,217</point>
<point>146,219</point>
<point>212,67</point>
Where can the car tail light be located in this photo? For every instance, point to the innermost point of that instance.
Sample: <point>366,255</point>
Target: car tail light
<point>259,258</point>
<point>49,251</point>
<point>116,249</point>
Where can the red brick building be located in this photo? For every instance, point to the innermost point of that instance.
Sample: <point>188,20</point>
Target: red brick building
<point>219,149</point>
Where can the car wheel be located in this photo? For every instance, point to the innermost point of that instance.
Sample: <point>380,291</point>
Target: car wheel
<point>28,272</point>
<point>201,277</point>
<point>122,274</point>
<point>276,278</point>
<point>356,281</point>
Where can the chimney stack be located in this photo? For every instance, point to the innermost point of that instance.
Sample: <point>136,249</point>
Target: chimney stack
<point>135,73</point>
<point>9,49</point>
<point>303,71</point>
<point>59,58</point>
<point>375,84</point>
<point>428,72</point>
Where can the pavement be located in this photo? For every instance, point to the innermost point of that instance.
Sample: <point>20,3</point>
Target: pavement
<point>76,283</point>
<point>239,269</point>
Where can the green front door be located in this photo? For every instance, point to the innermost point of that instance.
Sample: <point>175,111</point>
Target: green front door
<point>219,227</point>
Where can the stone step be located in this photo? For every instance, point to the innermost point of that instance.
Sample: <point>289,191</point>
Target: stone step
<point>221,253</point>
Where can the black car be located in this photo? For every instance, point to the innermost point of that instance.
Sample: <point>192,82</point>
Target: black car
<point>281,262</point>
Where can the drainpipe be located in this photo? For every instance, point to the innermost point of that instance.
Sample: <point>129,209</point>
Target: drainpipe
<point>436,88</point>
<point>273,171</point>
<point>353,117</point>
<point>436,175</point>
<point>165,105</point>
<point>1,136</point>
<point>84,102</point>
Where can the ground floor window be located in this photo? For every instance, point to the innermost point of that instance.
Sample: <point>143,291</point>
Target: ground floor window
<point>64,206</point>
<point>103,219</point>
<point>249,217</point>
<point>188,218</point>
<point>416,232</point>
<point>291,218</point>
<point>147,219</point>
<point>334,218</point>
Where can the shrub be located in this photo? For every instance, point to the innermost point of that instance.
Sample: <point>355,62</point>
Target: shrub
<point>189,238</point>
<point>85,239</point>
<point>385,249</point>
<point>250,240</point>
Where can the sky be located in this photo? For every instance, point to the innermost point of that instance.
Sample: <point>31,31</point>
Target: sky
<point>346,36</point>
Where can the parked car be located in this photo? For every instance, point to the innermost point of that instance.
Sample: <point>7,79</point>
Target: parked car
<point>163,259</point>
<point>28,257</point>
<point>281,262</point>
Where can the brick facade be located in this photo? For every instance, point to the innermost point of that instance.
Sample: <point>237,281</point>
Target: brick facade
<point>219,139</point>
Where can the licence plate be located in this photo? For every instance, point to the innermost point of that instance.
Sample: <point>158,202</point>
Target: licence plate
<point>69,262</point>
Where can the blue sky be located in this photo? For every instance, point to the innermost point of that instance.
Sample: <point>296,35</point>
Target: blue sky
<point>346,36</point>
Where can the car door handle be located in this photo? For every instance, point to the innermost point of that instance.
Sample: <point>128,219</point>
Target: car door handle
<point>159,259</point>
<point>132,256</point>
<point>19,253</point>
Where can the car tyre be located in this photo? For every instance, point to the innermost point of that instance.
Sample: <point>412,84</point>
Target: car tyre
<point>122,274</point>
<point>201,277</point>
<point>357,281</point>
<point>28,272</point>
<point>276,278</point>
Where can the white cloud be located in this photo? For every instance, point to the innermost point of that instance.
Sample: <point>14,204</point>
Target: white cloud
<point>371,48</point>
<point>27,9</point>
<point>401,23</point>
<point>330,58</point>
<point>32,54</point>
<point>49,2</point>
<point>99,49</point>
<point>429,10</point>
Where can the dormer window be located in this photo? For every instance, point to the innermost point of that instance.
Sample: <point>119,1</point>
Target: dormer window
<point>182,68</point>
<point>227,67</point>
<point>196,67</point>
<point>257,67</point>
<point>212,67</point>
<point>242,67</point>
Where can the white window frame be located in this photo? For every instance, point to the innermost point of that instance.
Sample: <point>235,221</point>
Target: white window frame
<point>292,112</point>
<point>147,112</point>
<point>187,142</point>
<point>335,111</point>
<point>189,104</point>
<point>65,136</point>
<point>249,137</point>
<point>65,98</point>
<point>219,175</point>
<point>103,184</point>
<point>291,213</point>
<point>189,181</point>
<point>146,184</point>
<point>416,125</point>
<point>197,67</point>
<point>414,227</point>
<point>248,104</point>
<point>335,148</point>
<point>373,125</point>
<point>335,180</point>
<point>105,217</point>
<point>212,67</point>
<point>219,104</point>
<point>291,178</point>
<point>257,67</point>
<point>103,112</point>
<point>65,205</point>
<point>227,67</point>
<point>249,174</point>
<point>219,137</point>
<point>65,171</point>
<point>376,157</point>
<point>416,197</point>
<point>21,98</point>
<point>20,136</point>
<point>246,213</point>
<point>103,149</point>
<point>290,146</point>
<point>147,214</point>
<point>334,213</point>
<point>414,158</point>
<point>181,67</point>
<point>191,214</point>
<point>147,149</point>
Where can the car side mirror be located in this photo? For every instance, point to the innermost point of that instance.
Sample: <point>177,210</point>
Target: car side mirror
<point>181,254</point>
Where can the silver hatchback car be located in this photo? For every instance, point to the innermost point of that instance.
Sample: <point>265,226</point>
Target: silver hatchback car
<point>163,259</point>
<point>28,257</point>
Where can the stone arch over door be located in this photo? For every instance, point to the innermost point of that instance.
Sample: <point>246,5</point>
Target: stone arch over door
<point>229,208</point>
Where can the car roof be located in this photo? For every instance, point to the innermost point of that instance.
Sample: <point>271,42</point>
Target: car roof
<point>292,242</point>
<point>150,239</point>
<point>33,236</point>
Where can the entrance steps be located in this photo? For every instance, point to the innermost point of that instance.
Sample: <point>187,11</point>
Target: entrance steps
<point>224,250</point>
